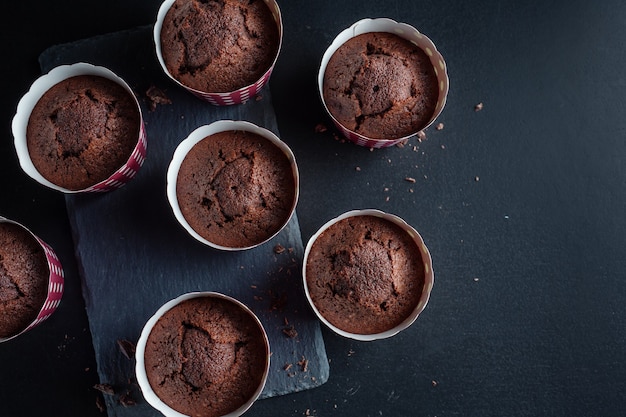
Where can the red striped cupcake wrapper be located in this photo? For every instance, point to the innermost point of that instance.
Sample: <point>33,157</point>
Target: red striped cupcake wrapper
<point>408,32</point>
<point>56,283</point>
<point>239,96</point>
<point>30,99</point>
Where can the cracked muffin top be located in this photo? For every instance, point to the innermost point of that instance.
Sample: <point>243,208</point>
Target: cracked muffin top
<point>82,130</point>
<point>365,274</point>
<point>218,46</point>
<point>380,85</point>
<point>236,188</point>
<point>205,357</point>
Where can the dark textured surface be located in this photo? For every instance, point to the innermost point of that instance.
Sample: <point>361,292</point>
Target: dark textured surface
<point>133,255</point>
<point>521,205</point>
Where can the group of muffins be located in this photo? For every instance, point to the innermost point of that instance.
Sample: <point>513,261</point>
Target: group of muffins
<point>234,186</point>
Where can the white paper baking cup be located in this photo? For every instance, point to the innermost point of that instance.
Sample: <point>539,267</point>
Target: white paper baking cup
<point>25,107</point>
<point>56,283</point>
<point>429,275</point>
<point>140,368</point>
<point>207,130</point>
<point>238,96</point>
<point>405,31</point>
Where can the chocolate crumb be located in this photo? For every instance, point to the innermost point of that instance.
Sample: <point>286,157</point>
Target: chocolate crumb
<point>421,135</point>
<point>439,126</point>
<point>126,400</point>
<point>100,404</point>
<point>290,332</point>
<point>410,179</point>
<point>105,388</point>
<point>127,348</point>
<point>478,107</point>
<point>156,96</point>
<point>320,128</point>
<point>304,364</point>
<point>278,249</point>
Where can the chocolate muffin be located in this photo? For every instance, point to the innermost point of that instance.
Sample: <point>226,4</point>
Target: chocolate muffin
<point>365,274</point>
<point>381,86</point>
<point>205,357</point>
<point>236,188</point>
<point>23,279</point>
<point>82,130</point>
<point>219,46</point>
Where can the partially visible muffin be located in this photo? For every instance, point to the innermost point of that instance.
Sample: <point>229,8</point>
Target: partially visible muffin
<point>82,130</point>
<point>381,86</point>
<point>219,46</point>
<point>206,357</point>
<point>236,188</point>
<point>23,279</point>
<point>365,274</point>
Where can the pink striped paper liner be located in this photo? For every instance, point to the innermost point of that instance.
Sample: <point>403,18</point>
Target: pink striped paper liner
<point>25,106</point>
<point>56,282</point>
<point>239,96</point>
<point>401,29</point>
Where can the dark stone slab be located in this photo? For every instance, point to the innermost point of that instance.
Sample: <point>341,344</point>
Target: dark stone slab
<point>133,256</point>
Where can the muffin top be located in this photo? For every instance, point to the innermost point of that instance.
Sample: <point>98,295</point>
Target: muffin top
<point>236,188</point>
<point>205,357</point>
<point>218,46</point>
<point>82,130</point>
<point>380,85</point>
<point>365,274</point>
<point>23,279</point>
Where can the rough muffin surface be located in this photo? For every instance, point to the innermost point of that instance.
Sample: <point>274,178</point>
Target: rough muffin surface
<point>82,130</point>
<point>236,188</point>
<point>205,357</point>
<point>380,85</point>
<point>365,274</point>
<point>23,279</point>
<point>219,46</point>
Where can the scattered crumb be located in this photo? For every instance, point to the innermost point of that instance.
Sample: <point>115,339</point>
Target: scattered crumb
<point>259,97</point>
<point>476,279</point>
<point>434,383</point>
<point>278,249</point>
<point>443,146</point>
<point>126,400</point>
<point>127,348</point>
<point>386,189</point>
<point>387,199</point>
<point>320,128</point>
<point>287,366</point>
<point>254,287</point>
<point>358,169</point>
<point>410,179</point>
<point>105,389</point>
<point>411,190</point>
<point>478,107</point>
<point>351,352</point>
<point>371,149</point>
<point>290,332</point>
<point>100,404</point>
<point>156,96</point>
<point>304,364</point>
<point>439,126</point>
<point>421,135</point>
<point>476,178</point>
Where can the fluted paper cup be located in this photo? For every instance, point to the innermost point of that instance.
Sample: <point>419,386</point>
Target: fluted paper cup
<point>165,405</point>
<point>55,283</point>
<point>238,96</point>
<point>407,32</point>
<point>25,107</point>
<point>428,276</point>
<point>207,131</point>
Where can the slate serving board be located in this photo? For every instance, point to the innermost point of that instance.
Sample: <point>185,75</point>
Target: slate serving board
<point>133,256</point>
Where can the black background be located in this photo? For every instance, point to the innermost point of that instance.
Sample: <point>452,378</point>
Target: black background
<point>521,205</point>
